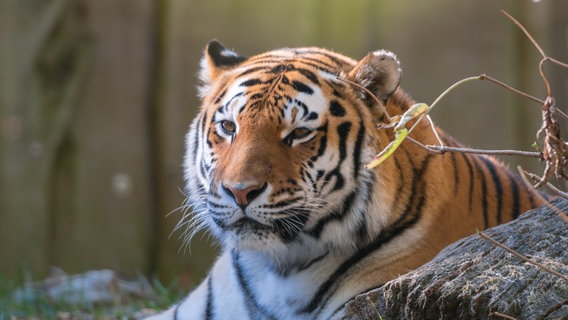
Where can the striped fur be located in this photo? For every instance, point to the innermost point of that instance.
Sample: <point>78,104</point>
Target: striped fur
<point>275,170</point>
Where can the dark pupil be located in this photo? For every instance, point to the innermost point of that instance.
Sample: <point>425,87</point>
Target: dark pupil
<point>300,133</point>
<point>228,126</point>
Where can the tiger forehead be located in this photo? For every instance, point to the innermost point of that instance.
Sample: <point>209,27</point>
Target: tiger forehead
<point>278,80</point>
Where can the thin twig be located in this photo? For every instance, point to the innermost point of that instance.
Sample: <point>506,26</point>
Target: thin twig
<point>553,309</point>
<point>536,178</point>
<point>560,112</point>
<point>520,256</point>
<point>435,131</point>
<point>549,185</point>
<point>560,63</point>
<point>440,97</point>
<point>544,77</point>
<point>519,92</point>
<point>372,95</point>
<point>502,315</point>
<point>526,32</point>
<point>508,87</point>
<point>443,149</point>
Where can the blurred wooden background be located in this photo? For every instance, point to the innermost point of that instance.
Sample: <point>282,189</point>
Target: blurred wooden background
<point>96,96</point>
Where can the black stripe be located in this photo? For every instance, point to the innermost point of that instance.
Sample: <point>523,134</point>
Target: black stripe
<point>516,206</point>
<point>250,82</point>
<point>251,70</point>
<point>310,263</point>
<point>203,170</point>
<point>255,311</point>
<point>357,150</point>
<point>339,181</point>
<point>417,193</point>
<point>311,116</point>
<point>289,228</point>
<point>310,75</point>
<point>176,309</point>
<point>210,304</point>
<point>302,105</point>
<point>323,144</point>
<point>456,173</point>
<point>203,122</point>
<point>331,57</point>
<point>318,64</point>
<point>362,229</point>
<point>336,215</point>
<point>282,68</point>
<point>498,187</point>
<point>343,131</point>
<point>301,87</point>
<point>400,184</point>
<point>197,133</point>
<point>471,181</point>
<point>281,204</point>
<point>226,105</point>
<point>481,174</point>
<point>336,109</point>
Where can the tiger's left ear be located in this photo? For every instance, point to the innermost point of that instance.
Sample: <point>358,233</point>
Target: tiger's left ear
<point>378,72</point>
<point>216,60</point>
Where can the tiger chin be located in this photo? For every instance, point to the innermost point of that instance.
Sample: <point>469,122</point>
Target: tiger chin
<point>276,170</point>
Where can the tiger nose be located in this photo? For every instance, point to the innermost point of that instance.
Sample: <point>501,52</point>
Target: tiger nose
<point>244,194</point>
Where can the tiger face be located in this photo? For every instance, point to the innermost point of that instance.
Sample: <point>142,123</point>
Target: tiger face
<point>276,157</point>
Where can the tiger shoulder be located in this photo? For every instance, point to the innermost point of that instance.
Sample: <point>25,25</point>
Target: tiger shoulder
<point>275,170</point>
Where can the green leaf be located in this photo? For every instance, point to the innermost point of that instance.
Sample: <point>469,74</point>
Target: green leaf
<point>400,133</point>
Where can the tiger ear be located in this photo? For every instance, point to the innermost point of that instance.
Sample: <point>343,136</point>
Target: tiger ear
<point>378,72</point>
<point>216,60</point>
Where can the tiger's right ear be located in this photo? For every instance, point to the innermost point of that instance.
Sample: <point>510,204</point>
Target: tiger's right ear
<point>379,72</point>
<point>216,60</point>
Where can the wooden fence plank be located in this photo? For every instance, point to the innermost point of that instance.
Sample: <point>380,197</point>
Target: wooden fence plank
<point>112,206</point>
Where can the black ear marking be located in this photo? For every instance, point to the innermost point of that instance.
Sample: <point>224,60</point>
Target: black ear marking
<point>222,57</point>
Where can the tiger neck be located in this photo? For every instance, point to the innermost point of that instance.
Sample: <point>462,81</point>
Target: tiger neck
<point>399,102</point>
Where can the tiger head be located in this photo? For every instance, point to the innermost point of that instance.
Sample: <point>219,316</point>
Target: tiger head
<point>276,158</point>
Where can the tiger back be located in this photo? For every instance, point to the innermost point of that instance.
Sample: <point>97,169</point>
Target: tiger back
<point>275,170</point>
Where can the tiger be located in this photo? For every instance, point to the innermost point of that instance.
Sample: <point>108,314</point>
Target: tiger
<point>276,170</point>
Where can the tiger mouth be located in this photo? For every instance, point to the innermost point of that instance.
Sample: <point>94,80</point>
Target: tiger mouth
<point>247,223</point>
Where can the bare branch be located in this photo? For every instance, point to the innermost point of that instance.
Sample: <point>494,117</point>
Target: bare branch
<point>544,77</point>
<point>526,32</point>
<point>548,185</point>
<point>560,63</point>
<point>520,256</point>
<point>443,149</point>
<point>508,87</point>
<point>435,131</point>
<point>379,102</point>
<point>502,315</point>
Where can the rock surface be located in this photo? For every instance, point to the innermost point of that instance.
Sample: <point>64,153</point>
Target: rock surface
<point>475,279</point>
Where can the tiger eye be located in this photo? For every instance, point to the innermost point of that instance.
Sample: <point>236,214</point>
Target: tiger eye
<point>296,134</point>
<point>300,133</point>
<point>228,126</point>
